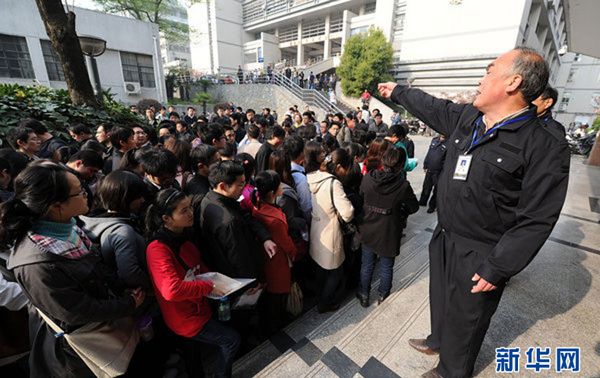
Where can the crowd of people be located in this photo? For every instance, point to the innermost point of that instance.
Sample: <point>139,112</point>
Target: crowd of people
<point>120,221</point>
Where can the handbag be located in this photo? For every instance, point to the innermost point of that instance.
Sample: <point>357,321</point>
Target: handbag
<point>294,300</point>
<point>105,347</point>
<point>346,227</point>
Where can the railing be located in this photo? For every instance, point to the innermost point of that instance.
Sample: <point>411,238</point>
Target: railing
<point>310,97</point>
<point>256,10</point>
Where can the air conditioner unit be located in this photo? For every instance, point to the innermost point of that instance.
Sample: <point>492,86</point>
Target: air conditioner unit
<point>132,88</point>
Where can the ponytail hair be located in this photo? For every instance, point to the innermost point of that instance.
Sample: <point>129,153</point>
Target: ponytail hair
<point>166,202</point>
<point>36,189</point>
<point>266,181</point>
<point>339,156</point>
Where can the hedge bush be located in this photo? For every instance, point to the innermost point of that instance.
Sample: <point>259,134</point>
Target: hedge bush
<point>55,110</point>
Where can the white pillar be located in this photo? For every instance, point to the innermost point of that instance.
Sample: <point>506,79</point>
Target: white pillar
<point>300,55</point>
<point>327,44</point>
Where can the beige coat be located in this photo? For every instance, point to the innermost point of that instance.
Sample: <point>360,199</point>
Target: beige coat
<point>326,241</point>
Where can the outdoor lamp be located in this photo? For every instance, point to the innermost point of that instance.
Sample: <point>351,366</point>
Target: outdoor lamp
<point>91,48</point>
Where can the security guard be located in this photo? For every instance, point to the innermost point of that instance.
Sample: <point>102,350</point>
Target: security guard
<point>544,103</point>
<point>500,194</point>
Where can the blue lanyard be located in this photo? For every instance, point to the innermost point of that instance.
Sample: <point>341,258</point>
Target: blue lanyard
<point>474,142</point>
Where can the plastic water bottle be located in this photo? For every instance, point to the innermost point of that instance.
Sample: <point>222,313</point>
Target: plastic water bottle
<point>224,310</point>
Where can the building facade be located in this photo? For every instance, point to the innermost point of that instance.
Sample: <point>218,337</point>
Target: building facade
<point>176,55</point>
<point>130,67</point>
<point>578,90</point>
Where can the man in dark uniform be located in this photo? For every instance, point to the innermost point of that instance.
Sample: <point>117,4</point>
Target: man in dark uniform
<point>500,194</point>
<point>432,166</point>
<point>545,102</point>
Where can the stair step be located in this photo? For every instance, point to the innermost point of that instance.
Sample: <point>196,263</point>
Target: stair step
<point>304,344</point>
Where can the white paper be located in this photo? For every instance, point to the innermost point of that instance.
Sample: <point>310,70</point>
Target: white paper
<point>246,300</point>
<point>229,284</point>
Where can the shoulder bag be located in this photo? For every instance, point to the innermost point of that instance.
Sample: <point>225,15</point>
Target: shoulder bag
<point>105,347</point>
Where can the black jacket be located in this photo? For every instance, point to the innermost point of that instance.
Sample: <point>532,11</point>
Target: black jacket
<point>434,161</point>
<point>72,293</point>
<point>388,200</point>
<point>410,147</point>
<point>263,155</point>
<point>197,185</point>
<point>112,163</point>
<point>229,233</point>
<point>50,146</point>
<point>551,122</point>
<point>515,189</point>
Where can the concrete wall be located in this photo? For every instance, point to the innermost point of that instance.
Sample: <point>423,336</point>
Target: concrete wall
<point>229,35</point>
<point>120,33</point>
<point>258,97</point>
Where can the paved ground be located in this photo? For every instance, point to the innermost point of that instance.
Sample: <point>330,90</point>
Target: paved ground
<point>553,303</point>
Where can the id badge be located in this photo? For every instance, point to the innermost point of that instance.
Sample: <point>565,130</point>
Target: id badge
<point>462,167</point>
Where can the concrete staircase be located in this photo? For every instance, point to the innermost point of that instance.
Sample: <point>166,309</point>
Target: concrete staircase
<point>343,342</point>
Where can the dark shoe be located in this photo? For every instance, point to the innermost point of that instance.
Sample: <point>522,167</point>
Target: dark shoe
<point>329,308</point>
<point>430,210</point>
<point>381,298</point>
<point>421,346</point>
<point>432,374</point>
<point>364,301</point>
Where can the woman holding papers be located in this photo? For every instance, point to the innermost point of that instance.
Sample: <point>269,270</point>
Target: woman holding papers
<point>173,264</point>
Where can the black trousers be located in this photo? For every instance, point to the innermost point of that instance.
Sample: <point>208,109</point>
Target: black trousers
<point>459,319</point>
<point>430,182</point>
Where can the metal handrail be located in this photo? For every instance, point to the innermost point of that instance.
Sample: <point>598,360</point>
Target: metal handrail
<point>310,96</point>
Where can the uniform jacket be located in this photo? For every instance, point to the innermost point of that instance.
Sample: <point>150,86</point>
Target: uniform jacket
<point>515,188</point>
<point>277,268</point>
<point>230,235</point>
<point>434,160</point>
<point>326,239</point>
<point>388,200</point>
<point>549,121</point>
<point>72,292</point>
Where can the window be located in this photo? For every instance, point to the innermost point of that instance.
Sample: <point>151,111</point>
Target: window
<point>250,57</point>
<point>259,52</point>
<point>15,61</point>
<point>370,8</point>
<point>572,75</point>
<point>356,31</point>
<point>138,68</point>
<point>53,66</point>
<point>564,102</point>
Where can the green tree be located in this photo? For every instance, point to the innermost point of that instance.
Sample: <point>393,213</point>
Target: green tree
<point>156,11</point>
<point>366,61</point>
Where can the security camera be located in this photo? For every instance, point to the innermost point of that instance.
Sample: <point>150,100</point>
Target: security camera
<point>563,50</point>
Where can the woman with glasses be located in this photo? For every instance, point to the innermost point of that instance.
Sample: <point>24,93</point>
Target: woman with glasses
<point>53,262</point>
<point>173,263</point>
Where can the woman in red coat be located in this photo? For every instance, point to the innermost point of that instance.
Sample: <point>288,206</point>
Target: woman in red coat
<point>173,263</point>
<point>277,267</point>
